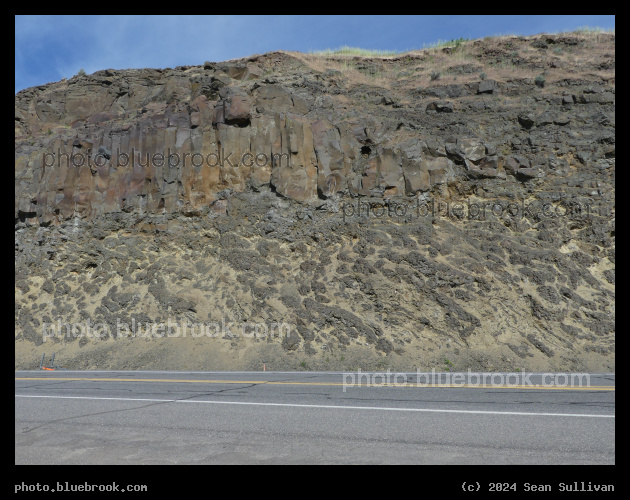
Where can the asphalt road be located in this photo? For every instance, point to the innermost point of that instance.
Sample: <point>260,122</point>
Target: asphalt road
<point>89,417</point>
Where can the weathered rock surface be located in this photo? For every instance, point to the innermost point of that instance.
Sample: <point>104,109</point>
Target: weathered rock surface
<point>369,217</point>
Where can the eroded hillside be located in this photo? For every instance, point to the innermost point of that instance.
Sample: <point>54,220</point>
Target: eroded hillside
<point>449,208</point>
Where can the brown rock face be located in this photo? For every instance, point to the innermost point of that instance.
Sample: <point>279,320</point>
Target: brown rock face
<point>382,214</point>
<point>177,138</point>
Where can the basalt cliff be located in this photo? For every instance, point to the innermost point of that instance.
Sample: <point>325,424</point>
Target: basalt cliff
<point>446,209</point>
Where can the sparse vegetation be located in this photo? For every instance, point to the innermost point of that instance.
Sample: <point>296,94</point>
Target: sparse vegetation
<point>81,72</point>
<point>591,29</point>
<point>458,42</point>
<point>540,81</point>
<point>436,60</point>
<point>356,51</point>
<point>482,76</point>
<point>455,43</point>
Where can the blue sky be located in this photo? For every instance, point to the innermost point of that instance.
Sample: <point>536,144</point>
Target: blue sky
<point>49,48</point>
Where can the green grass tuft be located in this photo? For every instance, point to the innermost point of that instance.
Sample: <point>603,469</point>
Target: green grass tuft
<point>356,51</point>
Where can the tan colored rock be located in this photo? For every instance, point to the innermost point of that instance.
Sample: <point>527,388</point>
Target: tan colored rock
<point>390,169</point>
<point>416,175</point>
<point>298,179</point>
<point>473,149</point>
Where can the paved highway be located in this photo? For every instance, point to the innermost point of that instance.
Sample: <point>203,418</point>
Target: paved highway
<point>92,417</point>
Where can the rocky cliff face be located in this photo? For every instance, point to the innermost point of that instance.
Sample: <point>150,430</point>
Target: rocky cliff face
<point>452,207</point>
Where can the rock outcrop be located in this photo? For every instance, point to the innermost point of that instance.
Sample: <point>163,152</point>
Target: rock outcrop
<point>395,219</point>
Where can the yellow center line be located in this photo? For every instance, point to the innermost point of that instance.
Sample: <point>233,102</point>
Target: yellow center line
<point>337,384</point>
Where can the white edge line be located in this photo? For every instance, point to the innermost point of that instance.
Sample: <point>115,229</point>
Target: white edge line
<point>294,405</point>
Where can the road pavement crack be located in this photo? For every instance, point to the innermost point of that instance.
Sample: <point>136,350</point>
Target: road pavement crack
<point>94,414</point>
